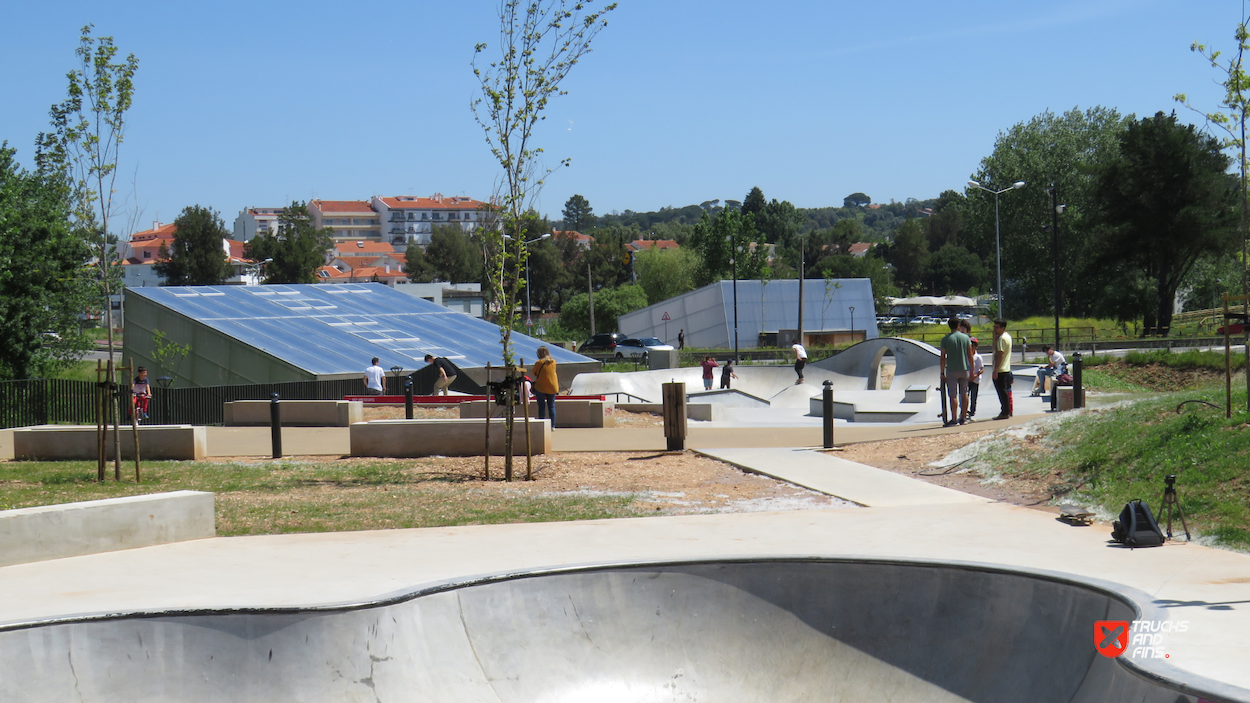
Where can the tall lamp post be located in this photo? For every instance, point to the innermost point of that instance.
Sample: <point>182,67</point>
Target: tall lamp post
<point>998,246</point>
<point>528,308</point>
<point>852,307</point>
<point>1056,211</point>
<point>734,261</point>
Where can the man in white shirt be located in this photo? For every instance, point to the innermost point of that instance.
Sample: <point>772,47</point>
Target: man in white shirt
<point>974,381</point>
<point>1054,366</point>
<point>800,360</point>
<point>373,378</point>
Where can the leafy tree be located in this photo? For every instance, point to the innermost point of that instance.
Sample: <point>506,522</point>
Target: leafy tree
<point>578,215</point>
<point>44,281</point>
<point>778,223</point>
<point>417,265</point>
<point>1063,150</point>
<point>718,240</point>
<point>297,248</point>
<point>168,354</point>
<point>856,200</point>
<point>910,255</point>
<point>947,223</point>
<point>197,257</point>
<point>846,233</point>
<point>1168,201</point>
<point>610,303</point>
<point>666,273</point>
<point>83,148</point>
<point>754,203</point>
<point>453,256</point>
<point>954,269</point>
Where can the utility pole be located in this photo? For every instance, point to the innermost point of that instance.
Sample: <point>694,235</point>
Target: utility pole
<point>590,293</point>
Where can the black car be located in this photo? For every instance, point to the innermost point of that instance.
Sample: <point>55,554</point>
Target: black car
<point>605,342</point>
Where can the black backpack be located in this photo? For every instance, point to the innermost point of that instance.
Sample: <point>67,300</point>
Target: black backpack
<point>1136,526</point>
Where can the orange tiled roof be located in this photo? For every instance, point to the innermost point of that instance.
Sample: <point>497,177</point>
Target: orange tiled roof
<point>570,234</point>
<point>342,206</point>
<point>363,248</point>
<point>161,232</point>
<point>640,244</point>
<point>407,202</point>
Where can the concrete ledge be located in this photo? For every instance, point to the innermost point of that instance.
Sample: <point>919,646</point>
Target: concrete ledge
<point>73,529</point>
<point>6,444</point>
<point>706,412</point>
<point>295,413</point>
<point>916,394</point>
<point>78,442</point>
<point>1066,393</point>
<point>413,438</point>
<point>569,413</point>
<point>851,412</point>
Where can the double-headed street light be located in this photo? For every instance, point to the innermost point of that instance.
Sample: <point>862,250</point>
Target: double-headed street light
<point>998,246</point>
<point>528,307</point>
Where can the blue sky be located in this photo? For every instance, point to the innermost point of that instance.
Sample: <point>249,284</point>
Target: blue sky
<point>255,104</point>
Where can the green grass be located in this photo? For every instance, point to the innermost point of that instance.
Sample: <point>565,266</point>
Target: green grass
<point>1109,456</point>
<point>79,371</point>
<point>269,497</point>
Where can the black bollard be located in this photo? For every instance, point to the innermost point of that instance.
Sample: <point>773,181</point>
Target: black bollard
<point>275,425</point>
<point>827,412</point>
<point>408,398</point>
<point>1078,396</point>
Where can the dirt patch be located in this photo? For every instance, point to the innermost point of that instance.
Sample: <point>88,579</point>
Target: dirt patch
<point>1157,377</point>
<point>913,457</point>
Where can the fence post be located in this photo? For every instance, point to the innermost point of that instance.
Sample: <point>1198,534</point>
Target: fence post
<point>827,413</point>
<point>275,425</point>
<point>1078,394</point>
<point>408,398</point>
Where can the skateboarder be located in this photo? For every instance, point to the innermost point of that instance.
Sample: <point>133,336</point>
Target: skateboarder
<point>800,360</point>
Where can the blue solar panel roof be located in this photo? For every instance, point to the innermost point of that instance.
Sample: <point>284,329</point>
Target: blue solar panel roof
<point>333,329</point>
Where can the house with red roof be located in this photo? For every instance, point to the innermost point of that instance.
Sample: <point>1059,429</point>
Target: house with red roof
<point>151,246</point>
<point>650,244</point>
<point>350,220</point>
<point>410,219</point>
<point>583,240</point>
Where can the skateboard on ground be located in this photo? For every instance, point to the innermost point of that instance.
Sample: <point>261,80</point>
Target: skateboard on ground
<point>1075,514</point>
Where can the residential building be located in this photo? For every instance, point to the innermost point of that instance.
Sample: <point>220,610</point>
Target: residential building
<point>583,241</point>
<point>256,220</point>
<point>349,219</point>
<point>409,219</point>
<point>647,244</point>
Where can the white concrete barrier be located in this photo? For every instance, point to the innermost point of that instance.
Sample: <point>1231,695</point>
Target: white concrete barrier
<point>574,412</point>
<point>73,529</point>
<point>295,413</point>
<point>451,437</point>
<point>78,442</point>
<point>706,412</point>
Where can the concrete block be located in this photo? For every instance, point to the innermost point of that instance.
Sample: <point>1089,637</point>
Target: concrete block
<point>295,413</point>
<point>1066,394</point>
<point>78,442</point>
<point>916,394</point>
<point>91,527</point>
<point>662,359</point>
<point>6,444</point>
<point>706,412</point>
<point>569,413</point>
<point>413,438</point>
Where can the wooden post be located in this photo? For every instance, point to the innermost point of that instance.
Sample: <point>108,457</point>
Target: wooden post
<point>489,411</point>
<point>674,396</point>
<point>529,450</point>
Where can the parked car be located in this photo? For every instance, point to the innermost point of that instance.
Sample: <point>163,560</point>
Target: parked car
<point>604,342</point>
<point>1234,328</point>
<point>638,348</point>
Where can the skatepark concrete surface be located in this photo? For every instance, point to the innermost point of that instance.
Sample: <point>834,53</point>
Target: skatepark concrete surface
<point>923,595</point>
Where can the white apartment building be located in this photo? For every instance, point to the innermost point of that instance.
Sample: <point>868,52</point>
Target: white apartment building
<point>410,219</point>
<point>256,220</point>
<point>351,220</point>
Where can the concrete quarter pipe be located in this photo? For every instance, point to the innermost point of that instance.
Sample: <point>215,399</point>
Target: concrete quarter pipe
<point>742,630</point>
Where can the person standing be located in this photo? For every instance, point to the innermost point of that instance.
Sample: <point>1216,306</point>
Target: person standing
<point>974,379</point>
<point>446,374</point>
<point>546,384</point>
<point>800,360</point>
<point>373,378</point>
<point>708,364</point>
<point>726,373</point>
<point>681,339</point>
<point>142,393</point>
<point>954,364</point>
<point>1001,370</point>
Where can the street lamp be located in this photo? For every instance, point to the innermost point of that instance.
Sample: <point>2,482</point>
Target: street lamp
<point>734,262</point>
<point>852,307</point>
<point>253,269</point>
<point>998,246</point>
<point>529,308</point>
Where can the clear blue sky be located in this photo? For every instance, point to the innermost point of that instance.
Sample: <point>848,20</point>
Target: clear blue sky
<point>258,103</point>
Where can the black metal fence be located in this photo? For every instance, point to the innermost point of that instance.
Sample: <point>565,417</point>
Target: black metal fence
<point>43,401</point>
<point>50,401</point>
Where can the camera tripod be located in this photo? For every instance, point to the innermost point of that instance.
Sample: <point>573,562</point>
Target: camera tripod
<point>1169,502</point>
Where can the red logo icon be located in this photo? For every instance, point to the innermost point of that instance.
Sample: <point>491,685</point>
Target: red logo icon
<point>1111,637</point>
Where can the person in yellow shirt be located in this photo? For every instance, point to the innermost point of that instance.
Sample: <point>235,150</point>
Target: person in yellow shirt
<point>1002,368</point>
<point>546,384</point>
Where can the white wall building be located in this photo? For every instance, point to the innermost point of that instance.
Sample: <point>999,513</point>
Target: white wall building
<point>412,218</point>
<point>255,220</point>
<point>351,220</point>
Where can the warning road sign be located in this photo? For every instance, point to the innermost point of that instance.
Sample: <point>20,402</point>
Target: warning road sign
<point>665,317</point>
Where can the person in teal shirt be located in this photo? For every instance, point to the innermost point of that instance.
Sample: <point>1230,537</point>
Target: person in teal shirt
<point>956,362</point>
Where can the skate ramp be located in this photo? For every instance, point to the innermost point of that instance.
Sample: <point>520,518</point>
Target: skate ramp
<point>776,384</point>
<point>766,630</point>
<point>915,363</point>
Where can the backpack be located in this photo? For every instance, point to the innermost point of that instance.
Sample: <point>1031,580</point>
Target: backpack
<point>1136,526</point>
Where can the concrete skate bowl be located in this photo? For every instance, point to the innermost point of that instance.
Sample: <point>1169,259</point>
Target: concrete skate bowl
<point>774,384</point>
<point>915,363</point>
<point>742,630</point>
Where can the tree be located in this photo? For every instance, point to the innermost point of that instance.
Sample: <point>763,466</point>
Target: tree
<point>297,248</point>
<point>754,203</point>
<point>84,146</point>
<point>1064,151</point>
<point>954,269</point>
<point>718,240</point>
<point>578,215</point>
<point>453,256</point>
<point>909,253</point>
<point>1168,201</point>
<point>417,266</point>
<point>666,273</point>
<point>610,304</point>
<point>947,223</point>
<point>45,283</point>
<point>197,257</point>
<point>856,200</point>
